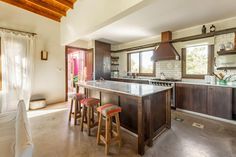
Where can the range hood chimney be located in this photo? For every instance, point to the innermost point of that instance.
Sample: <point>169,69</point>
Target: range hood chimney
<point>166,50</point>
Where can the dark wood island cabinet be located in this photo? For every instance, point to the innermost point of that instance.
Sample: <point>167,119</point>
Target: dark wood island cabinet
<point>145,108</point>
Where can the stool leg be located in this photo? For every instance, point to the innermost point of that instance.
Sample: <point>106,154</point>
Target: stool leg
<point>118,128</point>
<point>76,112</point>
<point>71,107</point>
<point>99,127</point>
<point>107,135</point>
<point>79,108</point>
<point>89,120</point>
<point>83,116</point>
<point>93,115</point>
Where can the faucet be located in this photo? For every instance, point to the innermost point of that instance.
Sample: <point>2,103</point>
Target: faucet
<point>163,76</point>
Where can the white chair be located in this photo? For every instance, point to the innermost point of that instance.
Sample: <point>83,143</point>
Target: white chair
<point>15,135</point>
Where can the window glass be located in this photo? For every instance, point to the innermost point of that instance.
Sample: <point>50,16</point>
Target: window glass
<point>134,62</point>
<point>141,63</point>
<point>146,62</point>
<point>197,60</point>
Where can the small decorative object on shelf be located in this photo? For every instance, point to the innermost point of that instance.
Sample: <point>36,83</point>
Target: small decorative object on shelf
<point>203,29</point>
<point>229,46</point>
<point>212,28</point>
<point>221,47</point>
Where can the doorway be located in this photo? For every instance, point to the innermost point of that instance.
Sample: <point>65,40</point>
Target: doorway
<point>79,67</point>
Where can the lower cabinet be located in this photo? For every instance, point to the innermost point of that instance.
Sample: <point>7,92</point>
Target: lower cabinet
<point>211,100</point>
<point>191,97</point>
<point>220,102</point>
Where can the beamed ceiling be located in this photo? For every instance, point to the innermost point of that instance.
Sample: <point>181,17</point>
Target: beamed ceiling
<point>53,9</point>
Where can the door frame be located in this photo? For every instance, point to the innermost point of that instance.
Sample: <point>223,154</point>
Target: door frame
<point>66,65</point>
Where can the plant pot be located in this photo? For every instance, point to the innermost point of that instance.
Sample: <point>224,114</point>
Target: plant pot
<point>222,82</point>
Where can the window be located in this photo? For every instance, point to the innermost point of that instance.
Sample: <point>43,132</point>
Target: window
<point>0,66</point>
<point>141,63</point>
<point>197,61</point>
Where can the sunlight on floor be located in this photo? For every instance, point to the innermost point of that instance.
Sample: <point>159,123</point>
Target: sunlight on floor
<point>37,113</point>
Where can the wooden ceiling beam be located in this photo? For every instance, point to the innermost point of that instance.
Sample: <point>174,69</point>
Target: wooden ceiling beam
<point>47,7</point>
<point>65,3</point>
<point>32,9</point>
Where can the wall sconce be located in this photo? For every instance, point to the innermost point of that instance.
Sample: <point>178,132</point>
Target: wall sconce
<point>44,55</point>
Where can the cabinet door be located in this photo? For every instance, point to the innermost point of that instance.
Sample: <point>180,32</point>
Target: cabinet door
<point>89,64</point>
<point>220,102</point>
<point>102,60</point>
<point>234,104</point>
<point>199,95</point>
<point>184,96</point>
<point>191,97</point>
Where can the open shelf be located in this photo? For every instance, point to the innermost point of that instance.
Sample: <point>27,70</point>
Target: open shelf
<point>114,58</point>
<point>114,70</point>
<point>226,68</point>
<point>226,52</point>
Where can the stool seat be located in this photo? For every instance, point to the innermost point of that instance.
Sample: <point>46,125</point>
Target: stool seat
<point>79,96</point>
<point>88,113</point>
<point>76,98</point>
<point>108,109</point>
<point>90,101</point>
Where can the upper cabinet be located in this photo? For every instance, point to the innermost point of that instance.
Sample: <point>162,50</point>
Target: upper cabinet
<point>102,60</point>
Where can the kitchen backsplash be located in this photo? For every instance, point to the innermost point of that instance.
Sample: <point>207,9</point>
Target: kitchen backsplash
<point>171,69</point>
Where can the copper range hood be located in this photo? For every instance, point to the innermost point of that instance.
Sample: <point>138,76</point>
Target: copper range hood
<point>165,50</point>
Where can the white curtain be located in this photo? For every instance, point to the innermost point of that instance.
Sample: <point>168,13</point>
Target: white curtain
<point>17,68</point>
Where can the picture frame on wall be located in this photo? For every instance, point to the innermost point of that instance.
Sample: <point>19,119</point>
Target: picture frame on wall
<point>44,55</point>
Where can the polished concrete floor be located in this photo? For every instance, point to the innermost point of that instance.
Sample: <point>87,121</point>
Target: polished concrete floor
<point>54,137</point>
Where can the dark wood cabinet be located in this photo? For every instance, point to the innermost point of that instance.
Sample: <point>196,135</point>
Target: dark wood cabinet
<point>220,102</point>
<point>102,60</point>
<point>191,97</point>
<point>211,100</point>
<point>234,104</point>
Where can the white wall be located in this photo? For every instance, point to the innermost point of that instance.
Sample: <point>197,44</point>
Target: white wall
<point>90,15</point>
<point>49,76</point>
<point>173,68</point>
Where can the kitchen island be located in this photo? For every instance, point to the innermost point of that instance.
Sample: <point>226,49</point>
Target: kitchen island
<point>145,108</point>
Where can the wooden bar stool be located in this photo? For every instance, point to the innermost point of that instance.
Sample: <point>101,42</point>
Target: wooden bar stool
<point>109,111</point>
<point>88,113</point>
<point>76,99</point>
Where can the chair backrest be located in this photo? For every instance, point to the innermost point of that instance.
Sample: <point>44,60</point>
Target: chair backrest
<point>24,143</point>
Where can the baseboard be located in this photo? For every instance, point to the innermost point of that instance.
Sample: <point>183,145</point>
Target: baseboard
<point>208,116</point>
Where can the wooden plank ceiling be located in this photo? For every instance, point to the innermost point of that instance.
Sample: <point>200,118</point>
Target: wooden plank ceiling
<point>53,9</point>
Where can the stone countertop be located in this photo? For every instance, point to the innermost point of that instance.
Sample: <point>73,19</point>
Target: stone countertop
<point>230,84</point>
<point>134,89</point>
<point>135,79</point>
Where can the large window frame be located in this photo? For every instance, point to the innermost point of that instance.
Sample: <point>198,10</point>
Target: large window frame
<point>209,66</point>
<point>140,63</point>
<point>0,65</point>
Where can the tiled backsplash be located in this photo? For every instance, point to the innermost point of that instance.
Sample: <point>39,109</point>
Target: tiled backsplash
<point>171,69</point>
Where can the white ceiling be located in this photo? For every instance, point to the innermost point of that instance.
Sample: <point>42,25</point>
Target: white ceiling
<point>164,15</point>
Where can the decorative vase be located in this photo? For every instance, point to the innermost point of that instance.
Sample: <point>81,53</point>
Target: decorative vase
<point>229,46</point>
<point>212,28</point>
<point>203,29</point>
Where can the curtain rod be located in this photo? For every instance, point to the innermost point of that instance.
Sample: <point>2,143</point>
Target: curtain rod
<point>14,30</point>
